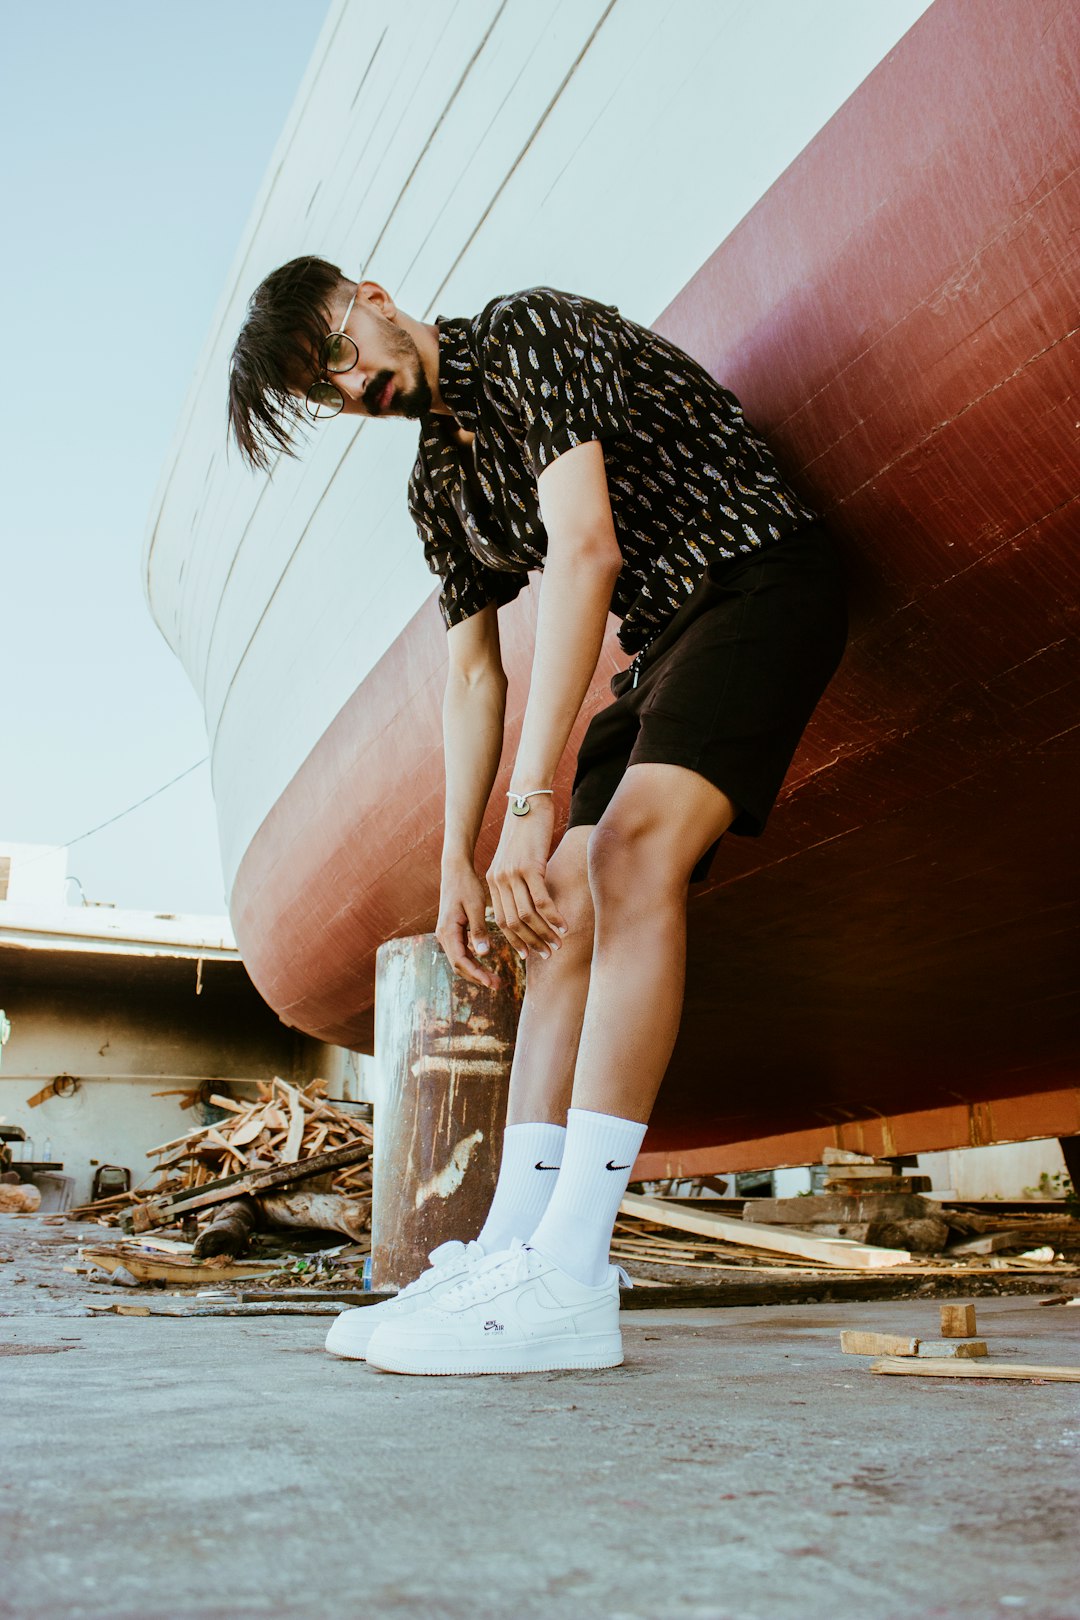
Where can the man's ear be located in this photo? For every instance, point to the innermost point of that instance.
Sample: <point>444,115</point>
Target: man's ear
<point>377,296</point>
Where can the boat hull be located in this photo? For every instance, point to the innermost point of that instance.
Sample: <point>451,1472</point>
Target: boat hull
<point>897,314</point>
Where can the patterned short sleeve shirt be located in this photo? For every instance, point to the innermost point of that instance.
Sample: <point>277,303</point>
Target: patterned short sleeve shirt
<point>539,372</point>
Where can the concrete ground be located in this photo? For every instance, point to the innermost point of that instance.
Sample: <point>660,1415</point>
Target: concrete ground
<point>738,1467</point>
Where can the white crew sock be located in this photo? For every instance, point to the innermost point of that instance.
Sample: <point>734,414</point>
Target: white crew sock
<point>528,1172</point>
<point>575,1231</point>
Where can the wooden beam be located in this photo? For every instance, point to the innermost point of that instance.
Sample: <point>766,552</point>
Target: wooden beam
<point>917,1368</point>
<point>774,1239</point>
<point>855,1343</point>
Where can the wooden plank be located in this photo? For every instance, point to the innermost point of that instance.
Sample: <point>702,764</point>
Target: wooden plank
<point>188,1136</point>
<point>291,1151</point>
<point>943,1349</point>
<point>885,1186</point>
<point>248,1131</point>
<point>958,1321</point>
<point>178,1269</point>
<point>918,1368</point>
<point>774,1239</point>
<point>867,1170</point>
<point>854,1343</point>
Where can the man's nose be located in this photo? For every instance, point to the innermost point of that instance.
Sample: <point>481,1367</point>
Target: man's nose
<point>353,383</point>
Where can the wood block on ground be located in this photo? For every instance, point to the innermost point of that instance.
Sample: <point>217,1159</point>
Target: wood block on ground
<point>917,1367</point>
<point>943,1349</point>
<point>989,1243</point>
<point>854,1343</point>
<point>958,1321</point>
<point>927,1235</point>
<point>836,1208</point>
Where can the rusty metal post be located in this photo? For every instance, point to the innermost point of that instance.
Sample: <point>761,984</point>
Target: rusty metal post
<point>443,1048</point>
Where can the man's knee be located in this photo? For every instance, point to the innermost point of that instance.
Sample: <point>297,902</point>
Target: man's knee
<point>633,861</point>
<point>568,880</point>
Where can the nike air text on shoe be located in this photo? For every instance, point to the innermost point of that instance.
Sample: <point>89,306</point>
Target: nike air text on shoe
<point>349,1335</point>
<point>517,1312</point>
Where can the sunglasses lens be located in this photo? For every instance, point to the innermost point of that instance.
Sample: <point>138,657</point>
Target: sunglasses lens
<point>339,352</point>
<point>323,399</point>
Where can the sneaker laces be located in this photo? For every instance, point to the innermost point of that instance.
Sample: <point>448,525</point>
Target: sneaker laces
<point>509,1265</point>
<point>446,1261</point>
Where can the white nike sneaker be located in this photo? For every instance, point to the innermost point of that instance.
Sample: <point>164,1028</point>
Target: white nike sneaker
<point>516,1313</point>
<point>349,1335</point>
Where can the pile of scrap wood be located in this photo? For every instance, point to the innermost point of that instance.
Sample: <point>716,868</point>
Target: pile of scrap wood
<point>244,1171</point>
<point>711,1238</point>
<point>865,1199</point>
<point>695,1236</point>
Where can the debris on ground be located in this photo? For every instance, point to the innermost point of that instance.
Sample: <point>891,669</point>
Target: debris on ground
<point>289,1158</point>
<point>694,1240</point>
<point>19,1198</point>
<point>922,1357</point>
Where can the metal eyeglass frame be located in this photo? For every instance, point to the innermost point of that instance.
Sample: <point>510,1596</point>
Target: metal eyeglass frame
<point>320,410</point>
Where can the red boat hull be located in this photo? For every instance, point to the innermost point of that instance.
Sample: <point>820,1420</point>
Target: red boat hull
<point>898,316</point>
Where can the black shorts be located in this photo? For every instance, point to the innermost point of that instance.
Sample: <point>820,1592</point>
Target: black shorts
<point>728,686</point>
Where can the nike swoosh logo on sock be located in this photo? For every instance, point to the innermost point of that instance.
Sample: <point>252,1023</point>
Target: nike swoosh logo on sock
<point>611,1166</point>
<point>540,1166</point>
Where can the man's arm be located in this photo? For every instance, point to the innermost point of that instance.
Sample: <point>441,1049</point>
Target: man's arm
<point>474,705</point>
<point>582,565</point>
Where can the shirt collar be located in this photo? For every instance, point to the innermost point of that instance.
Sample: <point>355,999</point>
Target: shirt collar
<point>459,370</point>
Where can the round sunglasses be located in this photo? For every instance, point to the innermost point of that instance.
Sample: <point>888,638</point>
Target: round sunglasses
<point>337,352</point>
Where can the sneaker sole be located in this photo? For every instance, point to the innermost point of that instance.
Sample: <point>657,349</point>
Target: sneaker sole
<point>545,1355</point>
<point>346,1355</point>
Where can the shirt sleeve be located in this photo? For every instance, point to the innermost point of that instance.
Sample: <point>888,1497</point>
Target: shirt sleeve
<point>467,584</point>
<point>558,366</point>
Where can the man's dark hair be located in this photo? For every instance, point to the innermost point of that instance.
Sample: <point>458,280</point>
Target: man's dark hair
<point>288,317</point>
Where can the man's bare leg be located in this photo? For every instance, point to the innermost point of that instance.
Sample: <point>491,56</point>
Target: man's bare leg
<point>544,1052</point>
<point>660,822</point>
<point>618,974</point>
<point>542,1076</point>
<point>641,854</point>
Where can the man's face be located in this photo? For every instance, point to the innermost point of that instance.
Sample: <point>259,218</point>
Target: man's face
<point>388,378</point>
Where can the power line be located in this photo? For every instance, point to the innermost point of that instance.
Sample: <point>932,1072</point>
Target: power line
<point>121,814</point>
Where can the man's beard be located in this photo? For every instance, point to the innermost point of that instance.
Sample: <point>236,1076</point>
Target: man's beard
<point>415,401</point>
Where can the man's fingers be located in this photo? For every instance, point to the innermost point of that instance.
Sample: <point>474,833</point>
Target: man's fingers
<point>545,905</point>
<point>505,910</point>
<point>478,934</point>
<point>530,926</point>
<point>453,942</point>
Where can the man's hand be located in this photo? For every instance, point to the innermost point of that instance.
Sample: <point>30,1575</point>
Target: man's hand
<point>462,928</point>
<point>522,902</point>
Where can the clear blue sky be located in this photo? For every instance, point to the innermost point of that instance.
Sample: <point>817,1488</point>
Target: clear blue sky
<point>135,135</point>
